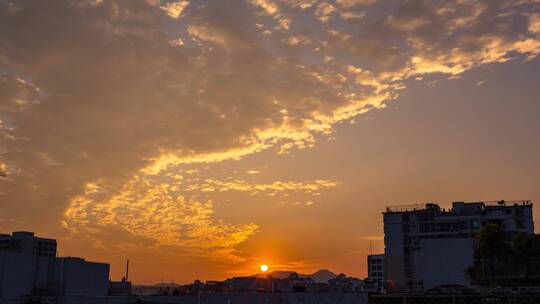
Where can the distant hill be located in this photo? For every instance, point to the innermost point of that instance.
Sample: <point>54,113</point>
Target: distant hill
<point>321,276</point>
<point>276,274</point>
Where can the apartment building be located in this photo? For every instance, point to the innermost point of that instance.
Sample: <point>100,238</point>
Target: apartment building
<point>426,245</point>
<point>26,242</point>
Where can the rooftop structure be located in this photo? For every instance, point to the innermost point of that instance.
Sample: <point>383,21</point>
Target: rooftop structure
<point>27,242</point>
<point>426,245</point>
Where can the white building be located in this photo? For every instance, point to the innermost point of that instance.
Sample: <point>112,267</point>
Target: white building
<point>426,246</point>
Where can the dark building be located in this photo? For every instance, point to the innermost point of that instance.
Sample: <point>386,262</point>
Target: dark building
<point>376,271</point>
<point>426,246</point>
<point>29,268</point>
<point>26,242</point>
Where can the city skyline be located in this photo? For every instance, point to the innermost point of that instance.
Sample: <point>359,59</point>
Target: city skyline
<point>201,140</point>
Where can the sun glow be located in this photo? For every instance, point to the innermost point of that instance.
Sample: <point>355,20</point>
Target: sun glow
<point>264,268</point>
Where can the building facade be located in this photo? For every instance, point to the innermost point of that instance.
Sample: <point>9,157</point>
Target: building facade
<point>376,270</point>
<point>29,267</point>
<point>426,246</point>
<point>26,242</point>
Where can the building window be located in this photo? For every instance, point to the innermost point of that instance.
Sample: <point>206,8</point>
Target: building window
<point>406,228</point>
<point>406,239</point>
<point>406,217</point>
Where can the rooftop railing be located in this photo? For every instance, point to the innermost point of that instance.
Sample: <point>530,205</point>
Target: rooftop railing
<point>404,208</point>
<point>507,203</point>
<point>418,207</point>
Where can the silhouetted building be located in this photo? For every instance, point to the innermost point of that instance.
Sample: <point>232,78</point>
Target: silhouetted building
<point>342,283</point>
<point>26,242</point>
<point>120,288</point>
<point>249,284</point>
<point>77,276</point>
<point>426,246</point>
<point>376,270</point>
<point>29,267</point>
<point>24,274</point>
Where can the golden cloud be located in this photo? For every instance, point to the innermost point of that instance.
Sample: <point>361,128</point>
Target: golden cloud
<point>137,89</point>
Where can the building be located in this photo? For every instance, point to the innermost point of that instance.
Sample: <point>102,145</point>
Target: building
<point>376,270</point>
<point>426,246</point>
<point>26,242</point>
<point>27,264</point>
<point>342,283</point>
<point>122,287</point>
<point>78,277</point>
<point>29,267</point>
<point>23,274</point>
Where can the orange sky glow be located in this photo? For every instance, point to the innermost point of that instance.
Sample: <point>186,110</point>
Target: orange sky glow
<point>203,139</point>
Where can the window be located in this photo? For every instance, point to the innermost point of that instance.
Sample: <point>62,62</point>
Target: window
<point>406,228</point>
<point>427,228</point>
<point>406,217</point>
<point>406,239</point>
<point>427,216</point>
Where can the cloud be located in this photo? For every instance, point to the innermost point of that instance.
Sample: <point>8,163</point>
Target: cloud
<point>351,15</point>
<point>156,213</point>
<point>210,185</point>
<point>175,9</point>
<point>350,3</point>
<point>98,103</point>
<point>324,11</point>
<point>298,40</point>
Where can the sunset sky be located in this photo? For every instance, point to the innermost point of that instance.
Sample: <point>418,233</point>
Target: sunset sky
<point>203,138</point>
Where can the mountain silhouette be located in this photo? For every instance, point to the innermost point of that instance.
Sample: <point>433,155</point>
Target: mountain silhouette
<point>321,276</point>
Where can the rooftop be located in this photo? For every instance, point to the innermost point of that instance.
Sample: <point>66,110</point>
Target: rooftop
<point>457,205</point>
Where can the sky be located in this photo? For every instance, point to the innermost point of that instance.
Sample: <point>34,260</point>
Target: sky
<point>203,138</point>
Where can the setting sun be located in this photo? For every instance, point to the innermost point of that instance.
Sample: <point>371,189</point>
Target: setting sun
<point>264,268</point>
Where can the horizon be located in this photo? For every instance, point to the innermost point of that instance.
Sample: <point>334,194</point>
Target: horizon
<point>203,139</point>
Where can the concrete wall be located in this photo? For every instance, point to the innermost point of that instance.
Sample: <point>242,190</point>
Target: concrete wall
<point>443,261</point>
<point>79,277</point>
<point>393,249</point>
<point>20,273</point>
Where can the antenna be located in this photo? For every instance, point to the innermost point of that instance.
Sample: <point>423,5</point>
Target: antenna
<point>127,270</point>
<point>370,247</point>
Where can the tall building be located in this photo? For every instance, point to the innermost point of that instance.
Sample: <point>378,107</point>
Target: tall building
<point>26,242</point>
<point>29,267</point>
<point>376,270</point>
<point>426,246</point>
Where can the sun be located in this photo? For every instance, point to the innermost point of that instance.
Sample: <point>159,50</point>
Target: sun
<point>264,268</point>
